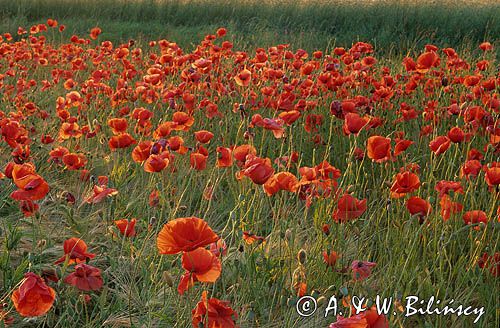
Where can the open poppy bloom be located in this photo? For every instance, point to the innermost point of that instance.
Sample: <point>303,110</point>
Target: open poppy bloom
<point>85,278</point>
<point>378,148</point>
<point>100,192</point>
<point>419,207</point>
<point>126,227</point>
<point>213,313</point>
<point>440,144</point>
<point>33,297</point>
<point>184,235</point>
<point>243,78</point>
<point>259,170</point>
<point>251,238</point>
<point>31,185</point>
<point>75,250</point>
<point>404,183</point>
<point>361,269</point>
<point>349,208</point>
<point>200,265</point>
<point>281,181</point>
<point>473,217</point>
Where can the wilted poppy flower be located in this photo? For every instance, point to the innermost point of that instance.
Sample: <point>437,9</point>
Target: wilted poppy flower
<point>251,238</point>
<point>440,144</point>
<point>33,297</point>
<point>405,182</point>
<point>219,247</point>
<point>85,278</point>
<point>184,234</point>
<point>200,265</point>
<point>349,208</point>
<point>361,269</point>
<point>378,148</point>
<point>213,313</point>
<point>126,227</point>
<point>448,207</point>
<point>75,250</point>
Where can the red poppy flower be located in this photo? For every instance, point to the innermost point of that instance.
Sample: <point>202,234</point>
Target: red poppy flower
<point>224,159</point>
<point>353,123</point>
<point>473,217</point>
<point>440,144</point>
<point>33,297</point>
<point>75,250</point>
<point>126,227</point>
<point>118,125</point>
<point>349,208</point>
<point>74,161</point>
<point>251,238</point>
<point>427,60</point>
<point>401,146</point>
<point>418,206</point>
<point>492,174</point>
<point>218,248</point>
<point>200,265</point>
<point>94,33</point>
<point>213,313</point>
<point>259,170</point>
<point>184,234</point>
<point>378,148</point>
<point>405,182</point>
<point>448,207</point>
<point>366,319</point>
<point>85,278</point>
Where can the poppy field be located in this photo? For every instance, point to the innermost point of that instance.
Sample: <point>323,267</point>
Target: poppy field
<point>143,184</point>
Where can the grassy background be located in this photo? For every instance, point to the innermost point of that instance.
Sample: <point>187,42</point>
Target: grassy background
<point>392,26</point>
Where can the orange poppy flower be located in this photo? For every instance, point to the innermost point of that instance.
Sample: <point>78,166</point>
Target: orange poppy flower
<point>378,148</point>
<point>200,265</point>
<point>126,227</point>
<point>330,258</point>
<point>448,207</point>
<point>181,121</point>
<point>156,163</point>
<point>123,140</point>
<point>492,174</point>
<point>401,146</point>
<point>240,153</point>
<point>251,238</point>
<point>85,278</point>
<point>405,182</point>
<point>75,250</point>
<point>31,185</point>
<point>213,313</point>
<point>349,208</point>
<point>281,181</point>
<point>203,136</point>
<point>118,125</point>
<point>100,192</point>
<point>74,161</point>
<point>243,78</point>
<point>198,160</point>
<point>94,33</point>
<point>33,297</point>
<point>224,159</point>
<point>142,151</point>
<point>184,234</point>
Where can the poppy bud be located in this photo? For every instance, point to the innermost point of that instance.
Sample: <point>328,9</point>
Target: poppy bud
<point>167,278</point>
<point>288,235</point>
<point>301,256</point>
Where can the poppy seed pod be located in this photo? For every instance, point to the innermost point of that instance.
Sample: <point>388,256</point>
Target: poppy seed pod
<point>167,278</point>
<point>301,256</point>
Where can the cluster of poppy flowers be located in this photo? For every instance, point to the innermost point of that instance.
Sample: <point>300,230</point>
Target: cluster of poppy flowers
<point>156,105</point>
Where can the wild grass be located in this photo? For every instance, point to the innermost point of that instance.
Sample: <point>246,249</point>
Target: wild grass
<point>394,27</point>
